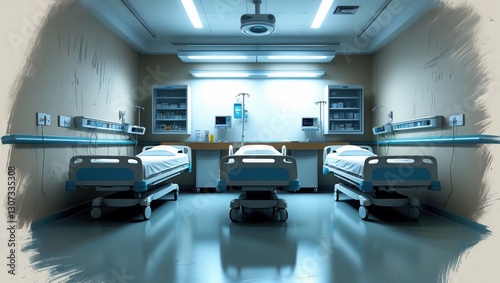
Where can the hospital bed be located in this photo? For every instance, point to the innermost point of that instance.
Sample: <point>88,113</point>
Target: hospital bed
<point>372,179</point>
<point>132,180</point>
<point>259,170</point>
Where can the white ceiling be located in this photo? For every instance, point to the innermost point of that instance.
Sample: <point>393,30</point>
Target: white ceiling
<point>170,24</point>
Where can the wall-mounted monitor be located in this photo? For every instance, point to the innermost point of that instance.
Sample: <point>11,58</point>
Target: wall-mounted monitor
<point>222,121</point>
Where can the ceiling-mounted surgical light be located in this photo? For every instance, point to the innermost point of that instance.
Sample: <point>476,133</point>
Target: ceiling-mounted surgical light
<point>257,74</point>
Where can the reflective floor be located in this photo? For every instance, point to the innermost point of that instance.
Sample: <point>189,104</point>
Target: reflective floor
<point>193,240</point>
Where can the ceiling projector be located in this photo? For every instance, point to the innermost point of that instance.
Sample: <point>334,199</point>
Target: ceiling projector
<point>257,24</point>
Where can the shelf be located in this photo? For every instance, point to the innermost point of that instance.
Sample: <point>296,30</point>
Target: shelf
<point>344,114</point>
<point>171,109</point>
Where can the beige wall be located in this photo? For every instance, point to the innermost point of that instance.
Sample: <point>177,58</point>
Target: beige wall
<point>435,68</point>
<point>75,67</point>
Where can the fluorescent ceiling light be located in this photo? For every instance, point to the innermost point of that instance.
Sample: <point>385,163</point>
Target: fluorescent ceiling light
<point>192,13</point>
<point>219,74</point>
<point>294,74</point>
<point>296,57</point>
<point>323,9</point>
<point>257,74</point>
<point>214,57</point>
<point>256,56</point>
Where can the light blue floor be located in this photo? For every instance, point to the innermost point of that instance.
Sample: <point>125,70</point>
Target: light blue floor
<point>193,240</point>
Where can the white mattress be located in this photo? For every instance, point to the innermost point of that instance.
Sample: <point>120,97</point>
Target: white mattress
<point>257,149</point>
<point>156,164</point>
<point>351,164</point>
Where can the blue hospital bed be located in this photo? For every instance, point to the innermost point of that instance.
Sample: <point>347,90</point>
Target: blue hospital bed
<point>259,171</point>
<point>376,180</point>
<point>132,180</point>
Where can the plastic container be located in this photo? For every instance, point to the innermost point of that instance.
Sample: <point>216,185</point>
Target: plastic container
<point>207,134</point>
<point>211,138</point>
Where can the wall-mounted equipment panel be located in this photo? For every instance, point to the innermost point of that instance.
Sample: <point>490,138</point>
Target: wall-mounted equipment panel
<point>133,129</point>
<point>84,122</point>
<point>171,109</point>
<point>344,113</point>
<point>384,129</point>
<point>418,124</point>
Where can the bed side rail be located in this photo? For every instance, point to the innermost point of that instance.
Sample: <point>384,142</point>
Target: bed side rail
<point>259,171</point>
<point>187,150</point>
<point>104,170</point>
<point>401,171</point>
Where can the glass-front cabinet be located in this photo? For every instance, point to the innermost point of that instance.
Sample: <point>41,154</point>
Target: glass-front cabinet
<point>344,109</point>
<point>171,109</point>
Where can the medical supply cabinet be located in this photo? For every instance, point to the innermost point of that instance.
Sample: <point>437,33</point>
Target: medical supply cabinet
<point>344,109</point>
<point>171,109</point>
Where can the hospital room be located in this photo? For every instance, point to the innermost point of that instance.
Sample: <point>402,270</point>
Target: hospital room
<point>250,140</point>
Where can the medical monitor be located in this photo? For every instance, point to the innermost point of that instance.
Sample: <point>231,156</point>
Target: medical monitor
<point>310,123</point>
<point>222,121</point>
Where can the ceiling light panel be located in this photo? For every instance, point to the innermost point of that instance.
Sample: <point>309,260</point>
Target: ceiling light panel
<point>193,14</point>
<point>323,9</point>
<point>257,74</point>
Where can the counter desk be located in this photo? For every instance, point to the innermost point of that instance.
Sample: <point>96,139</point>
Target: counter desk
<point>208,155</point>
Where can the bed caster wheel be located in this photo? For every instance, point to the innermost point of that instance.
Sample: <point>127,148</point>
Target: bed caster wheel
<point>336,196</point>
<point>234,213</point>
<point>283,213</point>
<point>146,213</point>
<point>96,212</point>
<point>197,190</point>
<point>414,212</point>
<point>176,194</point>
<point>363,212</point>
<point>315,190</point>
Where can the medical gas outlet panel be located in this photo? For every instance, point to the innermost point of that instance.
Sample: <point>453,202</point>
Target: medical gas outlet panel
<point>171,109</point>
<point>344,109</point>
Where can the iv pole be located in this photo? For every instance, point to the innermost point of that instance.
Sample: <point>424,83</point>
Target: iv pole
<point>320,103</point>
<point>374,109</point>
<point>138,109</point>
<point>243,118</point>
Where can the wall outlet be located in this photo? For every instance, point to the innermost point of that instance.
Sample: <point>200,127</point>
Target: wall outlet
<point>456,120</point>
<point>42,119</point>
<point>64,121</point>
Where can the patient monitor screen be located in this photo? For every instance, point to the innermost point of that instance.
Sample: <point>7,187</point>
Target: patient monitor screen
<point>308,122</point>
<point>223,121</point>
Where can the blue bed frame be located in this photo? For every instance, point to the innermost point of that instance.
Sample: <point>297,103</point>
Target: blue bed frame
<point>382,176</point>
<point>257,174</point>
<point>123,176</point>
